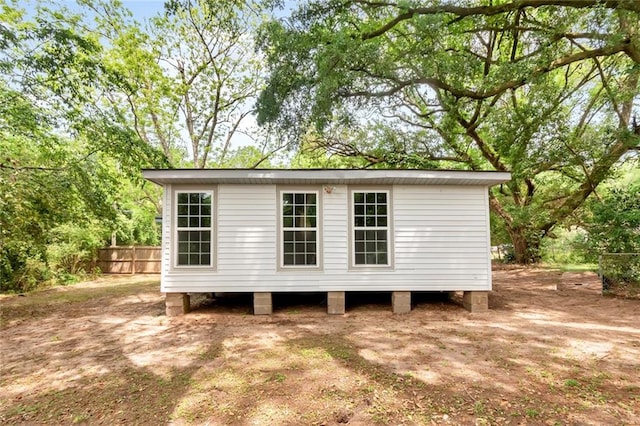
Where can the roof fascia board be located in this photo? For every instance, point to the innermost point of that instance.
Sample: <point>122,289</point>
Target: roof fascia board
<point>323,176</point>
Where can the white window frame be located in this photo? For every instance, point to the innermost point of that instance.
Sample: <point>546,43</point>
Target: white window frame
<point>281,190</point>
<point>353,228</point>
<point>176,229</point>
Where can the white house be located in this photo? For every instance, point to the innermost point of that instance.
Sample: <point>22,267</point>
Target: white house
<point>265,231</point>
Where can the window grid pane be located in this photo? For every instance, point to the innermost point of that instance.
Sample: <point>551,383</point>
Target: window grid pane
<point>299,247</point>
<point>299,229</point>
<point>194,228</point>
<point>299,210</point>
<point>370,228</point>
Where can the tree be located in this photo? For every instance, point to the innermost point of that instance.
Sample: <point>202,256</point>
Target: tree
<point>86,103</point>
<point>188,81</point>
<point>64,155</point>
<point>545,89</point>
<point>613,219</point>
<point>144,92</point>
<point>209,48</point>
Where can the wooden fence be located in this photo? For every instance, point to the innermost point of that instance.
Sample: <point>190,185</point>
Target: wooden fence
<point>129,260</point>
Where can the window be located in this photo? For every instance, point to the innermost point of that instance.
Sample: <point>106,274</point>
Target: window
<point>371,228</point>
<point>299,229</point>
<point>194,228</point>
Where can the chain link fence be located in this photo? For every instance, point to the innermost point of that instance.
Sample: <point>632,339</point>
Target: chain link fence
<point>620,274</point>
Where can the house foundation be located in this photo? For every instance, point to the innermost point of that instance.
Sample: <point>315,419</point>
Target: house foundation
<point>475,301</point>
<point>262,303</point>
<point>335,302</point>
<point>177,304</point>
<point>401,301</point>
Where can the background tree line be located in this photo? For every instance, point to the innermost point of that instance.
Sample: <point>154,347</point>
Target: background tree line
<point>89,97</point>
<point>544,89</point>
<point>547,90</point>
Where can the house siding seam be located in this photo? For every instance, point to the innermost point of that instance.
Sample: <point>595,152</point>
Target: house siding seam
<point>440,234</point>
<point>487,215</point>
<point>167,218</point>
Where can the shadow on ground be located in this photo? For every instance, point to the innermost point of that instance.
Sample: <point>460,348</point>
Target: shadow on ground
<point>550,351</point>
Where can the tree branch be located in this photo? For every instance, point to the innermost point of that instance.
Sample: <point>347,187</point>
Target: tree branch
<point>31,168</point>
<point>487,93</point>
<point>462,12</point>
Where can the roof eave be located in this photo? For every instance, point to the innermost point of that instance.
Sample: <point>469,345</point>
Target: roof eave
<point>324,176</point>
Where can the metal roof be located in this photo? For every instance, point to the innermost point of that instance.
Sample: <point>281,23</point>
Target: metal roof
<point>324,177</point>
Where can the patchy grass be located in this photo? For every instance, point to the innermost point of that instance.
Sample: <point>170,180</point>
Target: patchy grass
<point>43,302</point>
<point>550,351</point>
<point>573,267</point>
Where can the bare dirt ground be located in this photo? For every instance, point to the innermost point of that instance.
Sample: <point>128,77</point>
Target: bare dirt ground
<point>552,351</point>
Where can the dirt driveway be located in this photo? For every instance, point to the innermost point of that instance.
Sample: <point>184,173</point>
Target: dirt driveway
<point>551,351</point>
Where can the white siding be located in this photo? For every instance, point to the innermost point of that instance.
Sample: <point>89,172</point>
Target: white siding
<point>441,233</point>
<point>441,243</point>
<point>246,229</point>
<point>335,223</point>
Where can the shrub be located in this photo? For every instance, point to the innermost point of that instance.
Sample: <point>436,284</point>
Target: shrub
<point>22,267</point>
<point>614,223</point>
<point>73,249</point>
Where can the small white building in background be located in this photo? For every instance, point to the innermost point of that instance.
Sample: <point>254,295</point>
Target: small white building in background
<point>334,231</point>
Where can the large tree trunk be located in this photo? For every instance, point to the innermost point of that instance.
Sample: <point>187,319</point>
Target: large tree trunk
<point>526,244</point>
<point>525,239</point>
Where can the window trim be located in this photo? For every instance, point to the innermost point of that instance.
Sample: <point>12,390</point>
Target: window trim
<point>390,233</point>
<point>280,266</point>
<point>212,190</point>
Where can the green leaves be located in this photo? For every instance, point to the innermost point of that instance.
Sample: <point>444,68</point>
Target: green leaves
<point>545,92</point>
<point>190,82</point>
<point>65,157</point>
<point>613,221</point>
<point>88,99</point>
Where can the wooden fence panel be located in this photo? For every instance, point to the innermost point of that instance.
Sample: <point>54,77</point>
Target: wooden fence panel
<point>130,260</point>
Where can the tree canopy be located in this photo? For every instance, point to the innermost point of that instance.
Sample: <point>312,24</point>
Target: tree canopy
<point>89,97</point>
<point>65,154</point>
<point>613,219</point>
<point>189,78</point>
<point>547,90</point>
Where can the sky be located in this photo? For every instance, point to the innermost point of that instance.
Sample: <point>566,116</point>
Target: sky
<point>141,9</point>
<point>144,9</point>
